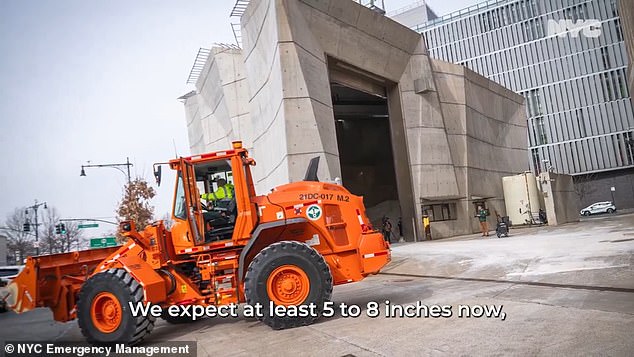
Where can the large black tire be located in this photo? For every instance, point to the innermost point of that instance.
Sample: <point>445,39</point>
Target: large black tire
<point>586,213</point>
<point>610,210</point>
<point>114,284</point>
<point>301,257</point>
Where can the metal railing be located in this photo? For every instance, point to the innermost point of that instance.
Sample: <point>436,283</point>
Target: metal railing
<point>460,13</point>
<point>405,8</point>
<point>238,8</point>
<point>237,33</point>
<point>199,64</point>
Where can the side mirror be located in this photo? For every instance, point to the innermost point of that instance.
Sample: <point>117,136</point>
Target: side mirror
<point>157,174</point>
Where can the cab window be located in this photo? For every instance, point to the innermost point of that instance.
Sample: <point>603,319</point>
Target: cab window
<point>180,205</point>
<point>218,197</point>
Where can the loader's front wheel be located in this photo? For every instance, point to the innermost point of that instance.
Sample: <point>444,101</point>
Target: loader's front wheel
<point>288,273</point>
<point>103,309</point>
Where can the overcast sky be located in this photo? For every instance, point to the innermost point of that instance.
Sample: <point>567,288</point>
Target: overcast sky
<point>98,80</point>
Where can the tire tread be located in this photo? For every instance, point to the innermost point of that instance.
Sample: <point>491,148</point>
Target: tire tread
<point>120,277</point>
<point>281,249</point>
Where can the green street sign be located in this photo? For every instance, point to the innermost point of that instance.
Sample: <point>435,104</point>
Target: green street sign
<point>90,225</point>
<point>103,242</point>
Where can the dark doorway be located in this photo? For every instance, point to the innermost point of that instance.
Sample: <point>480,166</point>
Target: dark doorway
<point>365,148</point>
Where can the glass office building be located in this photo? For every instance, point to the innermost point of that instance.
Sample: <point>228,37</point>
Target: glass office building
<point>580,117</point>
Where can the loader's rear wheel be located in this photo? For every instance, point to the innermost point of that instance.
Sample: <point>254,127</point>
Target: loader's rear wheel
<point>288,285</point>
<point>288,273</point>
<point>103,309</point>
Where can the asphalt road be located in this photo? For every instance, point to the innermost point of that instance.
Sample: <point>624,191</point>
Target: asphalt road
<point>565,290</point>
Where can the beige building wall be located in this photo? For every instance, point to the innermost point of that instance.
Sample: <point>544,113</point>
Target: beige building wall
<point>454,133</point>
<point>560,198</point>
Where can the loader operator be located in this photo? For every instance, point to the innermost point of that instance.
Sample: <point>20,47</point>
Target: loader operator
<point>224,192</point>
<point>218,203</point>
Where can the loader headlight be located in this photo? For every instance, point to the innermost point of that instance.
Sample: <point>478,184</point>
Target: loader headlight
<point>126,226</point>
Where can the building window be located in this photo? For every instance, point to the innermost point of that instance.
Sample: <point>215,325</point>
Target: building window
<point>606,83</point>
<point>534,11</point>
<point>619,30</point>
<point>533,103</point>
<point>629,146</point>
<point>614,85</point>
<point>621,86</point>
<point>541,131</point>
<point>581,124</point>
<point>575,12</point>
<point>440,212</point>
<point>605,56</point>
<point>615,8</point>
<point>536,160</point>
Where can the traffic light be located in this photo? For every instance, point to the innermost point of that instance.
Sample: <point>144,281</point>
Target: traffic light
<point>58,229</point>
<point>62,227</point>
<point>26,227</point>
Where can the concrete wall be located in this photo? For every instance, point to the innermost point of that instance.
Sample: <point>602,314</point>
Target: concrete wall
<point>218,112</point>
<point>596,187</point>
<point>453,133</point>
<point>486,128</point>
<point>560,198</point>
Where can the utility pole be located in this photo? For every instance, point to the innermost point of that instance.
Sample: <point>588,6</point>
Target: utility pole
<point>27,223</point>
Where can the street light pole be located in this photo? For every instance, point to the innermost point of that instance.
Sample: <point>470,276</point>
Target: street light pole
<point>127,164</point>
<point>34,208</point>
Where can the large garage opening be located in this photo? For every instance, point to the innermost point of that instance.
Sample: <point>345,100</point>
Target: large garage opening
<point>364,140</point>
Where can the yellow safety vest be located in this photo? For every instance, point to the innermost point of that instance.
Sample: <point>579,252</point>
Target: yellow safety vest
<point>225,191</point>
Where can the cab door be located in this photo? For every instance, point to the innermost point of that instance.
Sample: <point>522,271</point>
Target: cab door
<point>187,229</point>
<point>194,211</point>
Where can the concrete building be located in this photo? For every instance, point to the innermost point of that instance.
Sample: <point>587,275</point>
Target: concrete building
<point>337,80</point>
<point>412,15</point>
<point>626,11</point>
<point>580,119</point>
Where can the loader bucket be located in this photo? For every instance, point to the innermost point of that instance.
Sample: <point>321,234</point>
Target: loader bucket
<point>22,289</point>
<point>53,281</point>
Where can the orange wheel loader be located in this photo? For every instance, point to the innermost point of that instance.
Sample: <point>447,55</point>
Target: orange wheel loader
<point>285,248</point>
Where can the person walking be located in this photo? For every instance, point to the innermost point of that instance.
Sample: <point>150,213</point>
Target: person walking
<point>387,229</point>
<point>484,225</point>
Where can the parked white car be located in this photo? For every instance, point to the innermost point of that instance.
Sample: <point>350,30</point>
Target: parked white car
<point>599,207</point>
<point>7,273</point>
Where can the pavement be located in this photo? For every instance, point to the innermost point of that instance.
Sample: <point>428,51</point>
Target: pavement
<point>566,290</point>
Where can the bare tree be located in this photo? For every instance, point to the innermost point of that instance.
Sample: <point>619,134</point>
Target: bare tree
<point>72,237</point>
<point>135,203</point>
<point>78,241</point>
<point>53,243</point>
<point>49,240</point>
<point>584,185</point>
<point>20,244</point>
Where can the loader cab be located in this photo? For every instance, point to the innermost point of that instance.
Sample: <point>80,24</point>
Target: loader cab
<point>214,180</point>
<point>212,200</point>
